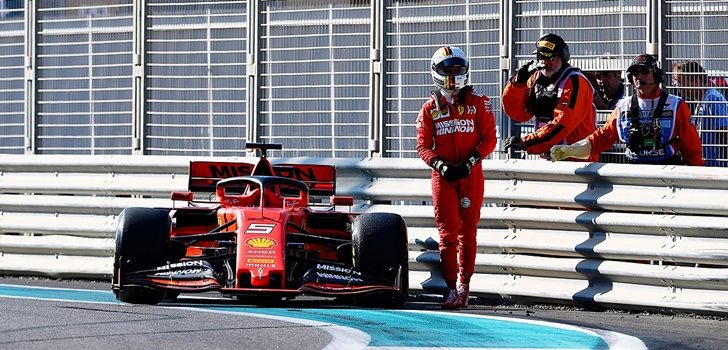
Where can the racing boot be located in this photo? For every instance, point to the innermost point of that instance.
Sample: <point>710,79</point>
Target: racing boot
<point>463,295</point>
<point>451,300</point>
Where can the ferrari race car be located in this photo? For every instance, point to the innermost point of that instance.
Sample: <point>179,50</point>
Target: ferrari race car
<point>260,235</point>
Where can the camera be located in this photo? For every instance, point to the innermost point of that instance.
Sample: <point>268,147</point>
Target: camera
<point>643,137</point>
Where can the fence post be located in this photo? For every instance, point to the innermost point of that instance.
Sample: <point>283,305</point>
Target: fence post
<point>29,86</point>
<point>252,71</point>
<point>138,86</point>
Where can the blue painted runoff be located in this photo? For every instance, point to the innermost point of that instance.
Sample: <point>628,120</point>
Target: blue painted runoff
<point>94,296</point>
<point>387,328</point>
<point>398,328</point>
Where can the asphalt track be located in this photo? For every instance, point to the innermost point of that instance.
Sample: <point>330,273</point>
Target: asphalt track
<point>41,318</point>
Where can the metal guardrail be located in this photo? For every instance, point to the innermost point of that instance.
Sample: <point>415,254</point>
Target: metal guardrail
<point>626,236</point>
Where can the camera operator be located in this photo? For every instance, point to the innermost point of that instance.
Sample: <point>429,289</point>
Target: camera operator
<point>653,124</point>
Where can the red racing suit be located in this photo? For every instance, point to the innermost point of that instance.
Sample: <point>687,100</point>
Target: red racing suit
<point>563,106</point>
<point>453,131</point>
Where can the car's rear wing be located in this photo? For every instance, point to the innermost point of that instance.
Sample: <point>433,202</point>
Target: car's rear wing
<point>321,179</point>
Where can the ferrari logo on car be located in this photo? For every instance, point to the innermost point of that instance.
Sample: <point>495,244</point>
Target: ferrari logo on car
<point>260,242</point>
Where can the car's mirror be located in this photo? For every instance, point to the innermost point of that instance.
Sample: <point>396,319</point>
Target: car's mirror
<point>342,200</point>
<point>183,196</point>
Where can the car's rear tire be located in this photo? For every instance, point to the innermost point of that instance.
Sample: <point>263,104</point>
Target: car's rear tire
<point>380,250</point>
<point>142,242</point>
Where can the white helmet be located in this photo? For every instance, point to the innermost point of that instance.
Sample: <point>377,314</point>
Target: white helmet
<point>449,68</point>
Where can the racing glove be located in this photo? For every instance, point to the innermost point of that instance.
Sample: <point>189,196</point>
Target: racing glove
<point>514,142</point>
<point>469,162</point>
<point>580,150</point>
<point>523,73</point>
<point>449,171</point>
<point>457,172</point>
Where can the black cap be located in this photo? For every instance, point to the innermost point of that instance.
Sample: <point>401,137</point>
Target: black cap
<point>643,60</point>
<point>550,44</point>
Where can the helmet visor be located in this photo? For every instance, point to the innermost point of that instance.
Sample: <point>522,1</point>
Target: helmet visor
<point>452,66</point>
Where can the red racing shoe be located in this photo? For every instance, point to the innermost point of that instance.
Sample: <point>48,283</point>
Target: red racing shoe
<point>451,300</point>
<point>463,295</point>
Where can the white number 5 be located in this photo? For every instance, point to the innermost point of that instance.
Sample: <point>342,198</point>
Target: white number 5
<point>261,229</point>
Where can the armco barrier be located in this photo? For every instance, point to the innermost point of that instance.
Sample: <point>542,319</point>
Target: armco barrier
<point>625,236</point>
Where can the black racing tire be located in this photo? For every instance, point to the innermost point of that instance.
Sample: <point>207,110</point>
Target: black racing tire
<point>142,242</point>
<point>379,243</point>
<point>170,296</point>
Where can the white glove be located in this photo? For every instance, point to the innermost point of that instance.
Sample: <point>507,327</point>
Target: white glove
<point>580,150</point>
<point>560,152</point>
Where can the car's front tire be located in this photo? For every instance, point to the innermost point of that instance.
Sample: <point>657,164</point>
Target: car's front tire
<point>380,250</point>
<point>142,242</point>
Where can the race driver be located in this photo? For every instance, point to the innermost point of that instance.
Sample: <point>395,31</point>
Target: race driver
<point>455,130</point>
<point>557,94</point>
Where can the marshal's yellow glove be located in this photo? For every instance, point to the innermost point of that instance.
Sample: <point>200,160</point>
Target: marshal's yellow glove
<point>580,150</point>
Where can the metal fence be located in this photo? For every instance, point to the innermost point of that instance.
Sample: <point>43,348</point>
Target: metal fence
<point>82,86</point>
<point>12,55</point>
<point>327,78</point>
<point>195,86</point>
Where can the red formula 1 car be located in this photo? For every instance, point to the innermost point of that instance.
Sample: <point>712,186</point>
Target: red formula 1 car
<point>261,237</point>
